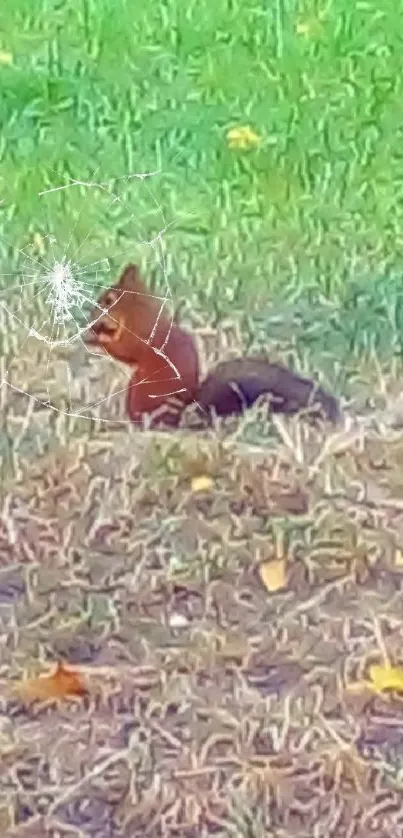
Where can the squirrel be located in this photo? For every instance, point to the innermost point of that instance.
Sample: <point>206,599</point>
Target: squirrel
<point>130,325</point>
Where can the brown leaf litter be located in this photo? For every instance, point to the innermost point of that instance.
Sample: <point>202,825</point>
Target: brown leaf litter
<point>218,697</point>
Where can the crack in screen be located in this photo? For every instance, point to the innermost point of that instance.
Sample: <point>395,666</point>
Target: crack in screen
<point>58,279</point>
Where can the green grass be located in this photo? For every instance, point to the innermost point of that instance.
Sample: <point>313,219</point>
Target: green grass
<point>102,89</point>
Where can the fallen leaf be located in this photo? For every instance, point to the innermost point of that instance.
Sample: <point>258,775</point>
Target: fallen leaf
<point>273,574</point>
<point>60,683</point>
<point>202,483</point>
<point>242,138</point>
<point>386,678</point>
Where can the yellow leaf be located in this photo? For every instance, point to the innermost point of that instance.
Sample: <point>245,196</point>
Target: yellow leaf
<point>273,574</point>
<point>243,137</point>
<point>5,57</point>
<point>386,678</point>
<point>202,483</point>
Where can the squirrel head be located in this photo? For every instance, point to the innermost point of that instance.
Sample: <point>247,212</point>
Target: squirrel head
<point>127,321</point>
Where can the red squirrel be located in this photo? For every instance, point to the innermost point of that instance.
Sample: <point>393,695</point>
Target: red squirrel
<point>130,325</point>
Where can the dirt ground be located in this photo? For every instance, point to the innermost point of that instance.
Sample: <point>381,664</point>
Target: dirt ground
<point>215,706</point>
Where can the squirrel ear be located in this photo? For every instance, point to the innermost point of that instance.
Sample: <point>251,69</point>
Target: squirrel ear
<point>130,280</point>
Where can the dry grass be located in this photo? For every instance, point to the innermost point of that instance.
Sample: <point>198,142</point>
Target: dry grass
<point>215,707</point>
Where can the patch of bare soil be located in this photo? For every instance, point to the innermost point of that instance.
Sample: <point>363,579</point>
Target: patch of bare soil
<point>215,706</point>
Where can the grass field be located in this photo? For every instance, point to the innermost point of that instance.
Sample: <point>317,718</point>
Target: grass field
<point>96,91</point>
<point>218,705</point>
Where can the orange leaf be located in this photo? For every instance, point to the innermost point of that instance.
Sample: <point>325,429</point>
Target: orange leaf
<point>61,683</point>
<point>273,574</point>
